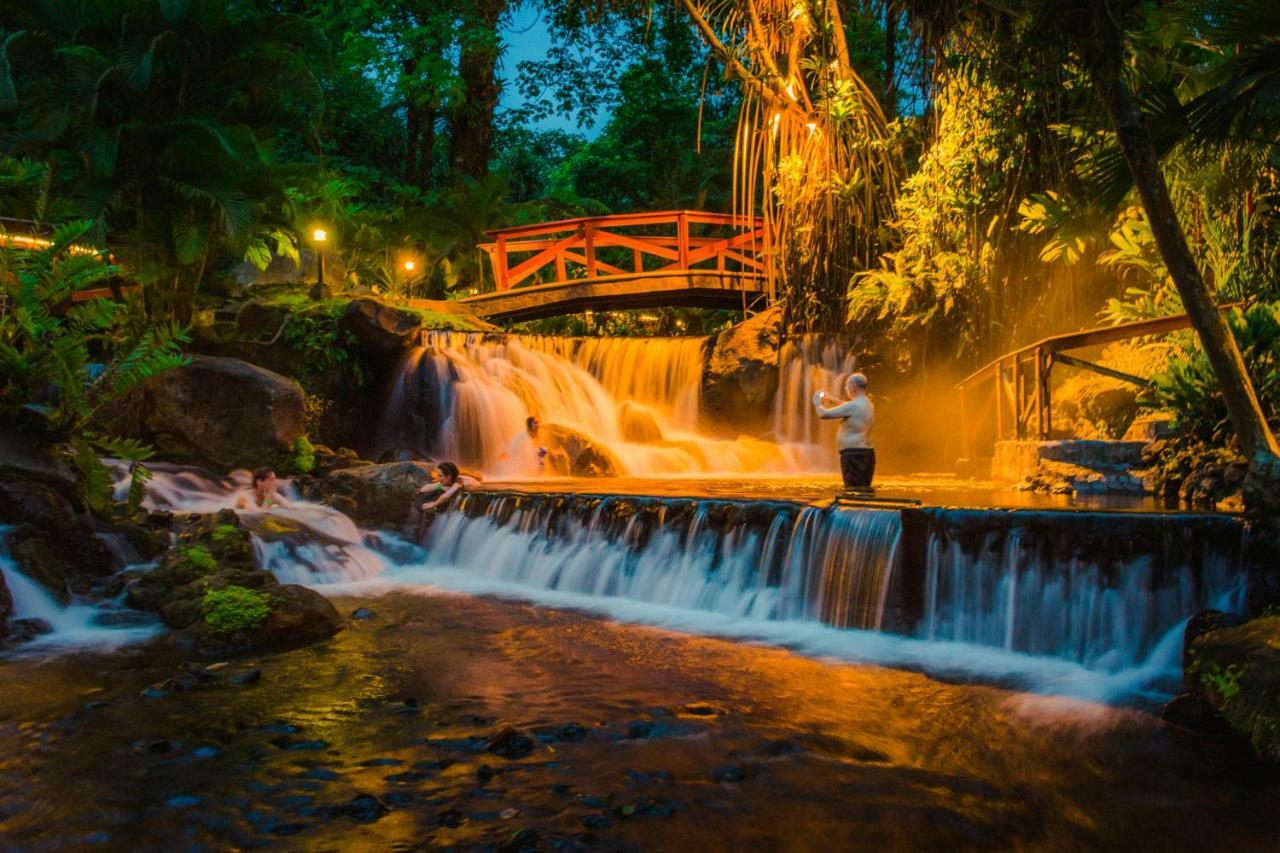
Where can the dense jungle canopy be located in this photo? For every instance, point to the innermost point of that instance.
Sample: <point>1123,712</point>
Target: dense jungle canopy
<point>945,180</point>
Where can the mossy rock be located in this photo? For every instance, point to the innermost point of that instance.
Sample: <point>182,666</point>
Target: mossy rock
<point>1237,671</point>
<point>233,623</point>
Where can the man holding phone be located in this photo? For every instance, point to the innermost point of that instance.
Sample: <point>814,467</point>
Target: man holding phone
<point>858,413</point>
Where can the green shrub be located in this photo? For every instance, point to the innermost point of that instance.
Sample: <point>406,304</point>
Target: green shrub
<point>235,608</point>
<point>304,456</point>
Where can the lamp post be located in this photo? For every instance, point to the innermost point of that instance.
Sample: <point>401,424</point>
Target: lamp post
<point>319,236</point>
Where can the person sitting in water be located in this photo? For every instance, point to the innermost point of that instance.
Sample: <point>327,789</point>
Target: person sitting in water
<point>858,413</point>
<point>450,483</point>
<point>265,492</point>
<point>526,454</point>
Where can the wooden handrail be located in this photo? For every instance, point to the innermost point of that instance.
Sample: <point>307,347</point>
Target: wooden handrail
<point>1092,337</point>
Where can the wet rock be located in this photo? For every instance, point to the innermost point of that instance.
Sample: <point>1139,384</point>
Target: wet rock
<point>152,746</point>
<point>299,616</point>
<point>1237,671</point>
<point>571,733</point>
<point>24,630</point>
<point>510,743</point>
<point>221,412</point>
<point>48,540</point>
<point>574,454</point>
<point>381,495</point>
<point>363,808</point>
<point>639,729</point>
<point>185,801</point>
<point>6,607</point>
<point>248,677</point>
<point>740,375</point>
<point>596,821</point>
<point>484,773</point>
<point>1202,623</point>
<point>638,423</point>
<point>731,773</point>
<point>383,331</point>
<point>362,614</point>
<point>450,817</point>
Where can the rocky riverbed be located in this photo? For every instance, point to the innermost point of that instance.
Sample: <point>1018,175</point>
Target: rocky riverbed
<point>441,720</point>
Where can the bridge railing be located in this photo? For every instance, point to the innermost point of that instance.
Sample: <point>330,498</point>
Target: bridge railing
<point>1019,397</point>
<point>628,245</point>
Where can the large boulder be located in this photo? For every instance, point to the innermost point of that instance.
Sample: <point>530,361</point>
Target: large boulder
<point>740,376</point>
<point>210,589</point>
<point>374,495</point>
<point>574,454</point>
<point>382,329</point>
<point>223,413</point>
<point>1236,670</point>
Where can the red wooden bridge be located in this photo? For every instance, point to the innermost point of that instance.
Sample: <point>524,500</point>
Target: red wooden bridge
<point>634,260</point>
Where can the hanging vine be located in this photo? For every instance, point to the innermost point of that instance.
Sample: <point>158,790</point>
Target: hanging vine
<point>813,152</point>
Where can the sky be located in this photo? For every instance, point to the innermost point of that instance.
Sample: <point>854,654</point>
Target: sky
<point>527,38</point>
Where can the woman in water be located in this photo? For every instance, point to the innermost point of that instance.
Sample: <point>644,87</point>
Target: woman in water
<point>451,482</point>
<point>265,493</point>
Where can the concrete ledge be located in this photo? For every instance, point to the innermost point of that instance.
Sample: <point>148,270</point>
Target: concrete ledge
<point>1017,460</point>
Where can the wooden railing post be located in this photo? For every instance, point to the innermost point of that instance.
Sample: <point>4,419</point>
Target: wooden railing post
<point>561,273</point>
<point>682,239</point>
<point>500,279</point>
<point>1044,358</point>
<point>1018,431</point>
<point>589,247</point>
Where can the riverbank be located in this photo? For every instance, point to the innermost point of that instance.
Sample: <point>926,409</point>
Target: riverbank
<point>621,737</point>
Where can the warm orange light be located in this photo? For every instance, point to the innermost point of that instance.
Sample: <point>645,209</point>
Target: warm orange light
<point>409,266</point>
<point>319,235</point>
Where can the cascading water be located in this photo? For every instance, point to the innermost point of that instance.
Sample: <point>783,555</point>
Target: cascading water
<point>713,556</point>
<point>1010,588</point>
<point>300,543</point>
<point>78,624</point>
<point>466,397</point>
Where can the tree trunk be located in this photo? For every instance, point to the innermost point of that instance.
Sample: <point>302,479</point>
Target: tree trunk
<point>1247,417</point>
<point>472,144</point>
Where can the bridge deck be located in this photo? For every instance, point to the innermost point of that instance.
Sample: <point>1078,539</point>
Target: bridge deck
<point>694,289</point>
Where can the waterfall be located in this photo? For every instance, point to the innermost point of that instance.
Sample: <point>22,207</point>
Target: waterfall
<point>466,397</point>
<point>757,561</point>
<point>809,364</point>
<point>77,624</point>
<point>1032,583</point>
<point>1102,594</point>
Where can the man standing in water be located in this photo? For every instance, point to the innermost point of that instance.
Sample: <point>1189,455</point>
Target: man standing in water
<point>857,457</point>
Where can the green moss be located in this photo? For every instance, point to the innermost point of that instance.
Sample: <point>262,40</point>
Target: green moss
<point>440,320</point>
<point>194,559</point>
<point>304,456</point>
<point>235,608</point>
<point>225,533</point>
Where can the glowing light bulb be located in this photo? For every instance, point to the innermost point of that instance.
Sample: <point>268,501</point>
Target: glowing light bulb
<point>409,266</point>
<point>319,235</point>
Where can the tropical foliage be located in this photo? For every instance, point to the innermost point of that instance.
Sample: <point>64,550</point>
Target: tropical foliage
<point>64,364</point>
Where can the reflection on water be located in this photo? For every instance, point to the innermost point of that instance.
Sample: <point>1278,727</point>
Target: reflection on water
<point>638,739</point>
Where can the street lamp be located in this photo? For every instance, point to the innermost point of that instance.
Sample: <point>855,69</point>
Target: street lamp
<point>319,236</point>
